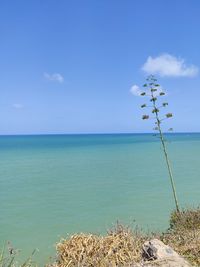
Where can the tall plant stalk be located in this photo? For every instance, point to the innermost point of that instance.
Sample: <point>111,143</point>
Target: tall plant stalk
<point>154,92</point>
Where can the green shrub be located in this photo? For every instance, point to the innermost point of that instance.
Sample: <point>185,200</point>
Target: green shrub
<point>185,219</point>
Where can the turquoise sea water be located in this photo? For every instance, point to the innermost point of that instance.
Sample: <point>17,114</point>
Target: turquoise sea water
<point>55,185</point>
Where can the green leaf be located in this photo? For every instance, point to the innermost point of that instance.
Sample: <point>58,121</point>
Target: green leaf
<point>165,104</point>
<point>162,93</point>
<point>155,110</point>
<point>145,117</point>
<point>169,115</point>
<point>143,106</point>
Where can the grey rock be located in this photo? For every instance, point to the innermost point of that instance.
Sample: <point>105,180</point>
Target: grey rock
<point>156,253</point>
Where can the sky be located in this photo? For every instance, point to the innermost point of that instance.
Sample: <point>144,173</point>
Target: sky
<point>74,66</point>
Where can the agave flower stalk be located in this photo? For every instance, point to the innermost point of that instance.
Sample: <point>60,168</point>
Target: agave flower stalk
<point>154,92</point>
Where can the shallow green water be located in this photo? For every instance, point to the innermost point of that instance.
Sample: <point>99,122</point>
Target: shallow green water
<point>51,186</point>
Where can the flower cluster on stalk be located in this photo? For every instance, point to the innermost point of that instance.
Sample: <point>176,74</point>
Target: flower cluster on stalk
<point>153,91</point>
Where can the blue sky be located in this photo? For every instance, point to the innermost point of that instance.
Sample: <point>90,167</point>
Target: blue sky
<point>75,66</point>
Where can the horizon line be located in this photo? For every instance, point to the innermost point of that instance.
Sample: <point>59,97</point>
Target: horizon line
<point>90,133</point>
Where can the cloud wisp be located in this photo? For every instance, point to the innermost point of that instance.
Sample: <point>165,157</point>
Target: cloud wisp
<point>55,77</point>
<point>17,106</point>
<point>168,65</point>
<point>135,90</point>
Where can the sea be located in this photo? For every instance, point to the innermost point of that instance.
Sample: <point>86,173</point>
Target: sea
<point>52,186</point>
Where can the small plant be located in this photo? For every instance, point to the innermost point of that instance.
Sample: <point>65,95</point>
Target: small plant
<point>8,257</point>
<point>153,92</point>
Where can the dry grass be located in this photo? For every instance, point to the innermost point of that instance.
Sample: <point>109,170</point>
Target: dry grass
<point>119,247</point>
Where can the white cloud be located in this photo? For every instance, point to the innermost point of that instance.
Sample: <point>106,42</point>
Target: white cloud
<point>55,77</point>
<point>168,65</point>
<point>136,90</point>
<point>17,106</point>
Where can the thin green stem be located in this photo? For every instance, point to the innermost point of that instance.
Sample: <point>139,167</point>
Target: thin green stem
<point>169,169</point>
<point>165,153</point>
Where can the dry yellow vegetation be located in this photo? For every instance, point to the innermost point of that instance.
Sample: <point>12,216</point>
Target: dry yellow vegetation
<point>123,247</point>
<point>119,247</point>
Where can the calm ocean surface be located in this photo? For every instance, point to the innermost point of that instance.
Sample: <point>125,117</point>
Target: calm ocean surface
<point>55,185</point>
